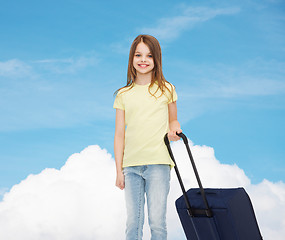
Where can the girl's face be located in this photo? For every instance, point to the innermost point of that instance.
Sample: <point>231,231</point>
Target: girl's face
<point>143,60</point>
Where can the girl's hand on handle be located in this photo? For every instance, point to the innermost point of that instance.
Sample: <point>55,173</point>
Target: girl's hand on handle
<point>172,136</point>
<point>120,180</point>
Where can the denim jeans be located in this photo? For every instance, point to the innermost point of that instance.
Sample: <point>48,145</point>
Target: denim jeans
<point>152,181</point>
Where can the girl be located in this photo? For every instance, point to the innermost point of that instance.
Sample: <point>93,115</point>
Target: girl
<point>145,111</point>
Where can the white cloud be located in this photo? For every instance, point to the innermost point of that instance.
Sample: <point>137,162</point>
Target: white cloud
<point>2,192</point>
<point>67,65</point>
<point>80,201</point>
<point>15,68</point>
<point>171,27</point>
<point>269,202</point>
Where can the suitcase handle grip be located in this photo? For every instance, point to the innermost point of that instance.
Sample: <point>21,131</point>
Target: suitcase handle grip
<point>185,140</point>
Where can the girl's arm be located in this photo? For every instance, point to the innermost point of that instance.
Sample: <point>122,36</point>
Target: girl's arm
<point>174,125</point>
<point>119,142</point>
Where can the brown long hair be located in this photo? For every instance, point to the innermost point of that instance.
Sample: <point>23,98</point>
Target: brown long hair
<point>157,74</point>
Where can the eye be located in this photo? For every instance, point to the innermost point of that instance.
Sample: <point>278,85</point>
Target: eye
<point>150,56</point>
<point>137,55</point>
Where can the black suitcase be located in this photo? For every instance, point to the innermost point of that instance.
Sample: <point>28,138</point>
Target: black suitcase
<point>214,214</point>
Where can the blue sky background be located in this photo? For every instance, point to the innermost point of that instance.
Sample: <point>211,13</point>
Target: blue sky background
<point>61,61</point>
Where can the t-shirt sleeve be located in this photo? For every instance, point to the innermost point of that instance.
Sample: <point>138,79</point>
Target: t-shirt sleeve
<point>119,103</point>
<point>175,97</point>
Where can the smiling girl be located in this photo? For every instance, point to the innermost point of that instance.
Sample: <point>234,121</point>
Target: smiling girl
<point>145,110</point>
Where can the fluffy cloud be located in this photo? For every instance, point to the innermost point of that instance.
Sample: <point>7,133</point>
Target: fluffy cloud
<point>80,201</point>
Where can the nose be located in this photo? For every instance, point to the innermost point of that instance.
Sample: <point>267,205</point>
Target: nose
<point>143,59</point>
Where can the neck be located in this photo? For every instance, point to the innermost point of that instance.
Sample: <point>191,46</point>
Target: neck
<point>143,79</point>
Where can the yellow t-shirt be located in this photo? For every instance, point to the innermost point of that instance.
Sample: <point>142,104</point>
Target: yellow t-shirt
<point>147,121</point>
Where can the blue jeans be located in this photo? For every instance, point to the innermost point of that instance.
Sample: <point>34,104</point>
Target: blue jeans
<point>152,181</point>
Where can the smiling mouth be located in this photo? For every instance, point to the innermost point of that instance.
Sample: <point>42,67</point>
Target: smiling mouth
<point>143,65</point>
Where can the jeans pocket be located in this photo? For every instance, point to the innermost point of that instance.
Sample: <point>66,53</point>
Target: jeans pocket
<point>125,170</point>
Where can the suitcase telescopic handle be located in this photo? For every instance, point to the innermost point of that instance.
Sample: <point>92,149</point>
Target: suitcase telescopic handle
<point>191,211</point>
